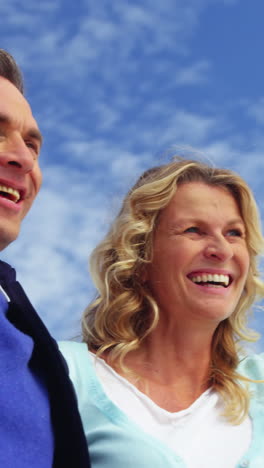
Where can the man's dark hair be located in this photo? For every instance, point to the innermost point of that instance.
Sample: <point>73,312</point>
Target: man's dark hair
<point>10,70</point>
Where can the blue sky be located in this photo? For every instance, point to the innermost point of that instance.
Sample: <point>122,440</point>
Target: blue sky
<point>118,86</point>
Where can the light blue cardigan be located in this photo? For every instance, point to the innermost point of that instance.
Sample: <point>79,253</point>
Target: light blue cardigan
<point>117,442</point>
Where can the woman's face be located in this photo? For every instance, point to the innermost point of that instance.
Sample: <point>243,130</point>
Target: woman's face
<point>200,256</point>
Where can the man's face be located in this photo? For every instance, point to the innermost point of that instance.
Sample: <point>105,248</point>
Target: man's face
<point>20,175</point>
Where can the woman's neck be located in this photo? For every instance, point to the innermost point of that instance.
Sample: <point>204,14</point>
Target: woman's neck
<point>172,372</point>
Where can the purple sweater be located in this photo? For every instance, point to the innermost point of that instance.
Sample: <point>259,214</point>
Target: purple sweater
<point>26,438</point>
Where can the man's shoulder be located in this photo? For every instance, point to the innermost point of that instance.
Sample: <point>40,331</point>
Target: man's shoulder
<point>7,272</point>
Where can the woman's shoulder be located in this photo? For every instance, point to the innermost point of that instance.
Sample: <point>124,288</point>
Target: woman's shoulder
<point>73,350</point>
<point>252,366</point>
<point>77,357</point>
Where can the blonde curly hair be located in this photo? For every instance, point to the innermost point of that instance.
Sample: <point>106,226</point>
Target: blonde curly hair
<point>125,312</point>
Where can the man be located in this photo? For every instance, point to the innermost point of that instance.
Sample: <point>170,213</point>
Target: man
<point>39,421</point>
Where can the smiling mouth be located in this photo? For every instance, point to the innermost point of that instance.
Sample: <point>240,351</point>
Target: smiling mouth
<point>9,193</point>
<point>213,280</point>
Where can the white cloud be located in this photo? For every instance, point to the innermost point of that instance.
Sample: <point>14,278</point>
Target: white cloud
<point>99,33</point>
<point>56,239</point>
<point>256,110</point>
<point>182,128</point>
<point>194,74</point>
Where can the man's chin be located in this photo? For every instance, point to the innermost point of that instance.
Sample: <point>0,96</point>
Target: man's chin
<point>7,237</point>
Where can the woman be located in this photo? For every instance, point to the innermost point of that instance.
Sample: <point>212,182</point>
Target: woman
<point>165,382</point>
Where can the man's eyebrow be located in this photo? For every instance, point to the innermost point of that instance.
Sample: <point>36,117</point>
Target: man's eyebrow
<point>32,132</point>
<point>5,119</point>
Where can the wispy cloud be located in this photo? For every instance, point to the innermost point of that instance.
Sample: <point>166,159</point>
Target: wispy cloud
<point>194,74</point>
<point>256,111</point>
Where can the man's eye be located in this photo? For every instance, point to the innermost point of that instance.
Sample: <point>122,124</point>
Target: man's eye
<point>33,146</point>
<point>30,144</point>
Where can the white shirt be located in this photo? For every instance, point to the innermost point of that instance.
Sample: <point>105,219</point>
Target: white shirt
<point>186,432</point>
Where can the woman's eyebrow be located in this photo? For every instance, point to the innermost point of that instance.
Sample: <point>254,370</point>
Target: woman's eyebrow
<point>236,221</point>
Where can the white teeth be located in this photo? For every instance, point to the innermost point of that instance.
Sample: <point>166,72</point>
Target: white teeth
<point>15,195</point>
<point>224,279</point>
<point>208,277</point>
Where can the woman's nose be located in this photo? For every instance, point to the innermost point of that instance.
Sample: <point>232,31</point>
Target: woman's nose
<point>218,249</point>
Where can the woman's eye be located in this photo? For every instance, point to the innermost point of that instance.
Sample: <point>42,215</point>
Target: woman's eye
<point>235,233</point>
<point>192,229</point>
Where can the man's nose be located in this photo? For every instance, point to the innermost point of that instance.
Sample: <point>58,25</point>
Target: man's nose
<point>17,154</point>
<point>218,248</point>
